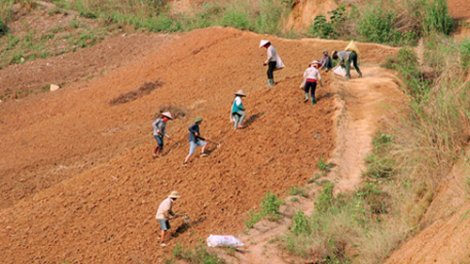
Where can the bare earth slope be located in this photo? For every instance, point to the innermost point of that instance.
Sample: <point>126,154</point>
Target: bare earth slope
<point>78,182</point>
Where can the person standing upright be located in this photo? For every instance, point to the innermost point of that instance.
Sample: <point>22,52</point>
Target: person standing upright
<point>273,61</point>
<point>159,127</point>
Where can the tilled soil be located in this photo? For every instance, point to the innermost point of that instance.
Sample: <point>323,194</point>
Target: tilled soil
<point>79,183</point>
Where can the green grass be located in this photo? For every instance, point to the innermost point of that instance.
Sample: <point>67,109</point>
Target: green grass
<point>298,190</point>
<point>269,209</point>
<point>197,255</point>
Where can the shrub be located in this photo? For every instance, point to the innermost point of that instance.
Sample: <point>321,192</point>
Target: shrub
<point>321,28</point>
<point>269,208</point>
<point>436,17</point>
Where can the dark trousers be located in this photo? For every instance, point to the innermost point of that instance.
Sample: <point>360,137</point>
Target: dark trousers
<point>271,68</point>
<point>312,86</point>
<point>352,58</point>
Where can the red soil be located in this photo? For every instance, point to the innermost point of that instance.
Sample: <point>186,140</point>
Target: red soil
<point>77,179</point>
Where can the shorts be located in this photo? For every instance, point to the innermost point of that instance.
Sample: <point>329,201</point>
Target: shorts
<point>193,145</point>
<point>159,140</point>
<point>164,224</point>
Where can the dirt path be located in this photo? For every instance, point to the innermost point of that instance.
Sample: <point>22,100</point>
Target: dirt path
<point>361,105</point>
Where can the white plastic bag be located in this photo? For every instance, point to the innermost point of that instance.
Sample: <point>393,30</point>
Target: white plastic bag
<point>340,71</point>
<point>220,241</point>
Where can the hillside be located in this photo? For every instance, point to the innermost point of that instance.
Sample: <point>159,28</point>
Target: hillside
<point>79,182</point>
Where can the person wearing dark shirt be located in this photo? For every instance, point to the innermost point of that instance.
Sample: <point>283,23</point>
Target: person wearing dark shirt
<point>195,140</point>
<point>326,62</point>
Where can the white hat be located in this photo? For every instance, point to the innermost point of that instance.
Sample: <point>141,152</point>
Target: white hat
<point>315,62</point>
<point>167,114</point>
<point>241,93</point>
<point>262,43</point>
<point>174,194</point>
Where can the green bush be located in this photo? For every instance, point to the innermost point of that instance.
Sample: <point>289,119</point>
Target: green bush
<point>321,28</point>
<point>377,24</point>
<point>269,208</point>
<point>436,17</point>
<point>236,19</point>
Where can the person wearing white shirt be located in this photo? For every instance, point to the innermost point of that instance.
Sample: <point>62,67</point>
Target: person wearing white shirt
<point>271,61</point>
<point>311,78</point>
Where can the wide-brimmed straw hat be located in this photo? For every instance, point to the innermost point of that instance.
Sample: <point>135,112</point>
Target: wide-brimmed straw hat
<point>315,62</point>
<point>167,114</point>
<point>197,119</point>
<point>263,43</point>
<point>240,93</point>
<point>174,194</point>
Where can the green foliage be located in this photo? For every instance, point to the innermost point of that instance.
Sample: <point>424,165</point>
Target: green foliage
<point>326,167</point>
<point>237,19</point>
<point>269,208</point>
<point>465,53</point>
<point>436,17</point>
<point>378,163</point>
<point>377,24</point>
<point>298,190</point>
<point>300,223</point>
<point>321,28</point>
<point>406,63</point>
<point>198,255</point>
<point>325,199</point>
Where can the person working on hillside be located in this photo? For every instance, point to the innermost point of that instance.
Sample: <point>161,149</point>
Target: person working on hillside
<point>195,140</point>
<point>326,62</point>
<point>159,132</point>
<point>165,213</point>
<point>273,61</point>
<point>348,56</point>
<point>237,112</point>
<point>311,77</point>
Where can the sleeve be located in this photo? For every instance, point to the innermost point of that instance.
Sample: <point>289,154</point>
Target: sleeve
<point>341,56</point>
<point>154,124</point>
<point>305,73</point>
<point>192,129</point>
<point>323,61</point>
<point>319,75</point>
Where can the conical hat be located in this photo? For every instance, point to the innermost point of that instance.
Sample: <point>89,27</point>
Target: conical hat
<point>240,92</point>
<point>352,47</point>
<point>167,114</point>
<point>263,42</point>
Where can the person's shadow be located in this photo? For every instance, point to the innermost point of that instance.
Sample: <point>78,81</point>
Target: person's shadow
<point>186,226</point>
<point>252,119</point>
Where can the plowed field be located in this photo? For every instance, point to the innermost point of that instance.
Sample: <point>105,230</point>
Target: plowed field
<point>77,179</point>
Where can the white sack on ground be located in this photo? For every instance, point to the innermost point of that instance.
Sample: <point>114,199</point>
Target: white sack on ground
<point>220,241</point>
<point>340,71</point>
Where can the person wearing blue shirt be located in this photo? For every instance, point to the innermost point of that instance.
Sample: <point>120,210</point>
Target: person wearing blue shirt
<point>195,140</point>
